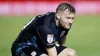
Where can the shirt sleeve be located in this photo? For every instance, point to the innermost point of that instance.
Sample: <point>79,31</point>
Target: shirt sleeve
<point>46,36</point>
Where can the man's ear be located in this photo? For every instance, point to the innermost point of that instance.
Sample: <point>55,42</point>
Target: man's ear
<point>58,16</point>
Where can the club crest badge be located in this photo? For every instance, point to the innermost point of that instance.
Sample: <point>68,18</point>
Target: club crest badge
<point>50,38</point>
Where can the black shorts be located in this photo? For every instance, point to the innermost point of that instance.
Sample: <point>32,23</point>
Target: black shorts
<point>32,51</point>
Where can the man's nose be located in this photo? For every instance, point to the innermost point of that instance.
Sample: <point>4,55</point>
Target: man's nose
<point>70,21</point>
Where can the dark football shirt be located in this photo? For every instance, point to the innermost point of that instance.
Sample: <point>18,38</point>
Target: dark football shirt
<point>40,32</point>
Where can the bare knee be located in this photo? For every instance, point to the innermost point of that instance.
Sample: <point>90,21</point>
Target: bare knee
<point>71,52</point>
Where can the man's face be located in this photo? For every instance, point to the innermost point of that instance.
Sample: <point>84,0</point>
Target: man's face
<point>66,19</point>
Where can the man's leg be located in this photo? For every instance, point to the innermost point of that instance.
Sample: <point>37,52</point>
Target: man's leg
<point>64,51</point>
<point>67,52</point>
<point>29,51</point>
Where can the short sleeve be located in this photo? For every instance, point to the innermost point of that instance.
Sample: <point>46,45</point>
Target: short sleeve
<point>46,36</point>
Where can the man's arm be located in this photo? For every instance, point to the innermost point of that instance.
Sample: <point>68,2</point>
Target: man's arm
<point>62,41</point>
<point>52,51</point>
<point>47,38</point>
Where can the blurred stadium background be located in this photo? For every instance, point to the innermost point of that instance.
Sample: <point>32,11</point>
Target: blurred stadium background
<point>83,36</point>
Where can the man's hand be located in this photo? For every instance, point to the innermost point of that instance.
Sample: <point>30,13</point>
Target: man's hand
<point>52,51</point>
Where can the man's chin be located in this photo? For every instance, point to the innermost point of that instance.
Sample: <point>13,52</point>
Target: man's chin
<point>67,27</point>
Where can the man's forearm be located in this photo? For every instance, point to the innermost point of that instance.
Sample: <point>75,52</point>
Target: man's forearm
<point>62,41</point>
<point>52,51</point>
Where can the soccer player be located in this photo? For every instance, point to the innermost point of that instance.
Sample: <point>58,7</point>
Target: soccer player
<point>40,35</point>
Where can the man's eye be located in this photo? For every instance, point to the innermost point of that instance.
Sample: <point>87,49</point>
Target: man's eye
<point>72,18</point>
<point>68,17</point>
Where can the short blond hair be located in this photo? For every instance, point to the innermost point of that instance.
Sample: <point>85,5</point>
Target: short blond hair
<point>64,6</point>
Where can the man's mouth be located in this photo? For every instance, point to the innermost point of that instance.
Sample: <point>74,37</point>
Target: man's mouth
<point>69,24</point>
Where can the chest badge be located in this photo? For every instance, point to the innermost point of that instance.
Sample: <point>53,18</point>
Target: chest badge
<point>62,33</point>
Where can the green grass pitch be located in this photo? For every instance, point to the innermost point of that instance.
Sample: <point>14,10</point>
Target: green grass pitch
<point>83,37</point>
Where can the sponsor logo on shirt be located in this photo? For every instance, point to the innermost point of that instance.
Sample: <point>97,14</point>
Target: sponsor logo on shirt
<point>62,33</point>
<point>33,53</point>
